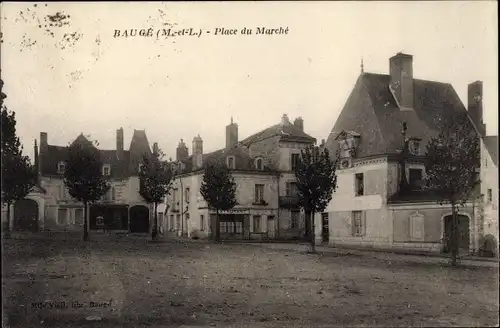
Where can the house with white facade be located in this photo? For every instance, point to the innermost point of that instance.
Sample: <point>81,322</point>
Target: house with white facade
<point>262,166</point>
<point>381,135</point>
<point>49,206</point>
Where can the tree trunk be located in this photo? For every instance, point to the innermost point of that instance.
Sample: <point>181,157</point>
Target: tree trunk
<point>217,226</point>
<point>154,231</point>
<point>85,229</point>
<point>7,231</point>
<point>454,235</point>
<point>313,233</point>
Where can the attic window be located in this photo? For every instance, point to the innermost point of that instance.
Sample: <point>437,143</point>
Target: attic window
<point>348,143</point>
<point>106,170</point>
<point>259,164</point>
<point>230,162</point>
<point>61,167</point>
<point>414,146</point>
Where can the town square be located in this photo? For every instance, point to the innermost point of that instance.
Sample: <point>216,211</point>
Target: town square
<point>325,173</point>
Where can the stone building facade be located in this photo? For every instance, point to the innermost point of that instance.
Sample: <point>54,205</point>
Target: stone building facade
<point>262,166</point>
<point>384,115</point>
<point>49,206</point>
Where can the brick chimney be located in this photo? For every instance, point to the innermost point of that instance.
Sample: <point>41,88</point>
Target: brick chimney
<point>299,122</point>
<point>475,105</point>
<point>155,148</point>
<point>401,72</point>
<point>197,152</point>
<point>231,134</point>
<point>119,143</point>
<point>43,142</point>
<point>182,151</point>
<point>285,120</point>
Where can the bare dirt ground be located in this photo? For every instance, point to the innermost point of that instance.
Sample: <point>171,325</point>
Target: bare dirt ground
<point>172,284</point>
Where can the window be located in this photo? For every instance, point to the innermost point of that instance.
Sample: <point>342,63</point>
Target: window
<point>79,216</point>
<point>259,164</point>
<point>345,151</point>
<point>62,216</point>
<point>187,195</point>
<point>359,184</point>
<point>259,193</point>
<point>61,167</point>
<point>171,223</point>
<point>178,225</point>
<point>231,227</point>
<point>295,161</point>
<point>256,223</point>
<point>230,162</point>
<point>415,178</point>
<point>490,195</point>
<point>414,146</point>
<point>202,223</point>
<point>291,188</point>
<point>294,220</point>
<point>106,170</point>
<point>358,226</point>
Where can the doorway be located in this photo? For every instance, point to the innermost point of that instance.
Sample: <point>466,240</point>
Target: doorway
<point>463,233</point>
<point>139,219</point>
<point>26,215</point>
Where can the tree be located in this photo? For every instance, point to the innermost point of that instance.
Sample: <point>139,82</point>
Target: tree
<point>18,175</point>
<point>83,177</point>
<point>219,190</point>
<point>316,181</point>
<point>155,178</point>
<point>452,160</point>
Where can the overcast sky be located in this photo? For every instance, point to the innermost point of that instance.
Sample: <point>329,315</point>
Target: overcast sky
<point>179,87</point>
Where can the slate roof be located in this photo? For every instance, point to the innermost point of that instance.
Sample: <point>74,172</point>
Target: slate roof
<point>124,167</point>
<point>286,131</point>
<point>371,110</point>
<point>491,145</point>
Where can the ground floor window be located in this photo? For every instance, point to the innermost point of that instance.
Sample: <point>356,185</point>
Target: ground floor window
<point>358,224</point>
<point>62,216</point>
<point>231,227</point>
<point>294,219</point>
<point>79,216</point>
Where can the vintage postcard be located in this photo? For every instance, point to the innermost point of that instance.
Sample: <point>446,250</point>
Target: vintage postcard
<point>249,164</point>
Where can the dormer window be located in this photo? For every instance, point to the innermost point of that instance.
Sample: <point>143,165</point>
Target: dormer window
<point>348,143</point>
<point>106,170</point>
<point>230,162</point>
<point>259,163</point>
<point>61,167</point>
<point>414,146</point>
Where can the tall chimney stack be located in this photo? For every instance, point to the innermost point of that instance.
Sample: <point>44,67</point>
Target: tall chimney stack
<point>119,143</point>
<point>299,122</point>
<point>197,152</point>
<point>401,72</point>
<point>475,105</point>
<point>285,120</point>
<point>182,151</point>
<point>43,142</point>
<point>231,134</point>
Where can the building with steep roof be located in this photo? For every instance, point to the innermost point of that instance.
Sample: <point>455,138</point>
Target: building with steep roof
<point>262,166</point>
<point>384,115</point>
<point>50,207</point>
<point>489,190</point>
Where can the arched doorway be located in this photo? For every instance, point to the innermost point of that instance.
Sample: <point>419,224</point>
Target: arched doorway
<point>26,215</point>
<point>139,219</point>
<point>463,232</point>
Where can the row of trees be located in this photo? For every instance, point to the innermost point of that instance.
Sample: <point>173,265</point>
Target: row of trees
<point>451,163</point>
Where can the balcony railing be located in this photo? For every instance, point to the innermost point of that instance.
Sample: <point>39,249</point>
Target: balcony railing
<point>289,201</point>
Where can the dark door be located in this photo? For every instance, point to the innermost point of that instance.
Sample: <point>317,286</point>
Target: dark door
<point>139,219</point>
<point>26,215</point>
<point>463,232</point>
<point>324,223</point>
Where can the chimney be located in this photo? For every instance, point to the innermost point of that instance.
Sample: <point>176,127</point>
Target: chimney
<point>231,134</point>
<point>285,120</point>
<point>182,151</point>
<point>475,105</point>
<point>43,142</point>
<point>299,122</point>
<point>197,152</point>
<point>119,143</point>
<point>37,163</point>
<point>401,72</point>
<point>155,148</point>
